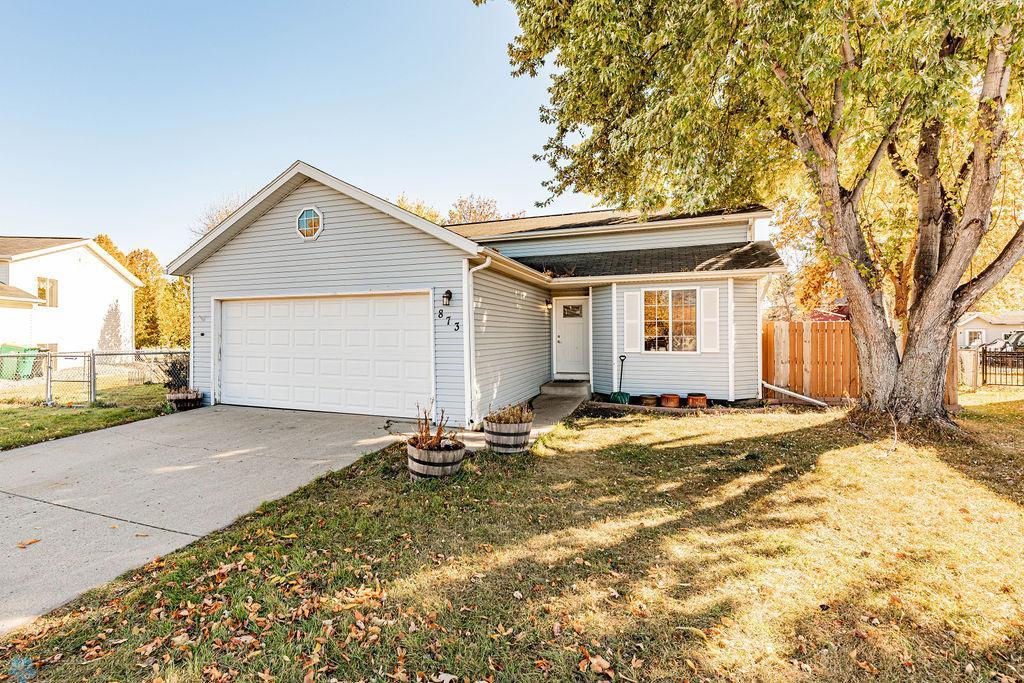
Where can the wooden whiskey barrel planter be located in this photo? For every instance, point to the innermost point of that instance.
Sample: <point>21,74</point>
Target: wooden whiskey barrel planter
<point>670,400</point>
<point>507,438</point>
<point>433,464</point>
<point>697,400</point>
<point>185,400</point>
<point>649,400</point>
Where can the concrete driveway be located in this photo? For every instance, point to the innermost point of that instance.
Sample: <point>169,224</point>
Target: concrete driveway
<point>104,502</point>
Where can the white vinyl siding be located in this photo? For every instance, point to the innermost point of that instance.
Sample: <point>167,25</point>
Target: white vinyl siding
<point>512,338</point>
<point>992,332</point>
<point>601,304</point>
<point>681,373</point>
<point>360,249</point>
<point>745,319</point>
<point>95,305</point>
<point>649,238</point>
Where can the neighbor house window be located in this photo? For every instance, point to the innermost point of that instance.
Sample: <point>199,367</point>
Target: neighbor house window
<point>309,223</point>
<point>670,320</point>
<point>46,289</point>
<point>975,336</point>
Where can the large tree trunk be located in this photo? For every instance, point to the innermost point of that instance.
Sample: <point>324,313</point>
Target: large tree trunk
<point>878,357</point>
<point>920,387</point>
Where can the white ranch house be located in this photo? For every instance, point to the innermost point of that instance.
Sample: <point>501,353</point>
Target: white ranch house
<point>317,295</point>
<point>64,294</point>
<point>976,328</point>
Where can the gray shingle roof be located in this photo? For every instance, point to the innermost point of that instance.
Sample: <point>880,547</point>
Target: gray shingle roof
<point>12,246</point>
<point>698,258</point>
<point>580,219</point>
<point>1003,318</point>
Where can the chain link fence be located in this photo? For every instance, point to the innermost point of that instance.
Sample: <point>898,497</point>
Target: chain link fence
<point>114,378</point>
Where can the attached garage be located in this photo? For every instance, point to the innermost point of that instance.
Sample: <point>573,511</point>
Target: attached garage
<point>368,354</point>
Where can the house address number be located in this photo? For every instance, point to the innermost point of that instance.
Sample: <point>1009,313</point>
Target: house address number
<point>447,319</point>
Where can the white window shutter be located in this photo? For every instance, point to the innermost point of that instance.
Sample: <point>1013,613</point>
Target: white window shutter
<point>633,320</point>
<point>709,328</point>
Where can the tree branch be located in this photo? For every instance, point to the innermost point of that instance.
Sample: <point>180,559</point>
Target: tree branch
<point>968,293</point>
<point>900,166</point>
<point>813,124</point>
<point>833,133</point>
<point>883,144</point>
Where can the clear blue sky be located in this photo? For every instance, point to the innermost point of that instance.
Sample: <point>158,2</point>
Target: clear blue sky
<point>131,117</point>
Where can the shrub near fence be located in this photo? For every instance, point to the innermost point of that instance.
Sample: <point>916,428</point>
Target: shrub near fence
<point>134,378</point>
<point>819,360</point>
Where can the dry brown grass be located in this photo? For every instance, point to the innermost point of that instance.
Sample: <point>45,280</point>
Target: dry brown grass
<point>766,547</point>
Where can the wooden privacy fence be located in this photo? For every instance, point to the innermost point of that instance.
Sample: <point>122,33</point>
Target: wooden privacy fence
<point>819,359</point>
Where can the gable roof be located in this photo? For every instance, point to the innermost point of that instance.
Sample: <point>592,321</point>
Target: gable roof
<point>8,293</point>
<point>729,256</point>
<point>18,246</point>
<point>21,248</point>
<point>296,174</point>
<point>1003,318</point>
<point>601,218</point>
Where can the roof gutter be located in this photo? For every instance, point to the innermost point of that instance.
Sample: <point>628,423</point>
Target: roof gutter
<point>510,264</point>
<point>652,277</point>
<point>738,218</point>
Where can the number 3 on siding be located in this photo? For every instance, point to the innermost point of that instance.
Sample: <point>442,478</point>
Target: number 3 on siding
<point>448,320</point>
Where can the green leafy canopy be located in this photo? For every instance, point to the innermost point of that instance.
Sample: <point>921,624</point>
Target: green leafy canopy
<point>679,102</point>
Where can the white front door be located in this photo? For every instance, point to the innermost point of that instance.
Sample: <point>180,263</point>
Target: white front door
<point>572,336</point>
<point>346,354</point>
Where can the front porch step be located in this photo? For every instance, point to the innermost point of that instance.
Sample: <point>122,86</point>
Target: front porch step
<point>567,387</point>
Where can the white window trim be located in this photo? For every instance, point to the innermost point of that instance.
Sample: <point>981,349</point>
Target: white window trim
<point>643,320</point>
<point>318,232</point>
<point>967,335</point>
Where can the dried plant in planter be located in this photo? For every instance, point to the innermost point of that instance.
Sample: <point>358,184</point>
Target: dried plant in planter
<point>514,414</point>
<point>508,430</point>
<point>429,438</point>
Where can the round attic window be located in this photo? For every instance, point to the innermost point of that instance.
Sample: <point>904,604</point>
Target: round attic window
<point>310,223</point>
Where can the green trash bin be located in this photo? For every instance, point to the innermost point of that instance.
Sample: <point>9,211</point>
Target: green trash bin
<point>26,362</point>
<point>9,364</point>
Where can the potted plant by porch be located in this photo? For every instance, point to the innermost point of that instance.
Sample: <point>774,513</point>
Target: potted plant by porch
<point>183,398</point>
<point>508,430</point>
<point>179,396</point>
<point>431,452</point>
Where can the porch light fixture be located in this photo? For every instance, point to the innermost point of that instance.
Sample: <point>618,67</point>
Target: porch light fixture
<point>547,304</point>
<point>446,298</point>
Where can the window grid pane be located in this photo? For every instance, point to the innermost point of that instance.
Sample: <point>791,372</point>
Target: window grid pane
<point>656,320</point>
<point>684,320</point>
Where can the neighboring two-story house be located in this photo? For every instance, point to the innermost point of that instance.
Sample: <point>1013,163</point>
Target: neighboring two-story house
<point>317,295</point>
<point>64,294</point>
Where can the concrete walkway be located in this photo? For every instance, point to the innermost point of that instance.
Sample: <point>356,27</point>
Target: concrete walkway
<point>108,501</point>
<point>547,412</point>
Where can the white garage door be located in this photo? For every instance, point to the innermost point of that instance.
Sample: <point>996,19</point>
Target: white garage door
<point>362,354</point>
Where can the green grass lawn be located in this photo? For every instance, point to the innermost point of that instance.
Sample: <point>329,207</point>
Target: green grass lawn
<point>763,547</point>
<point>21,425</point>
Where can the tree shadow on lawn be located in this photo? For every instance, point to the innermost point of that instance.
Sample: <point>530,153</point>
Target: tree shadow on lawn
<point>613,543</point>
<point>872,631</point>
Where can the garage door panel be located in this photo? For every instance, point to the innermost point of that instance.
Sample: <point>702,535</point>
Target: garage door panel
<point>368,354</point>
<point>357,339</point>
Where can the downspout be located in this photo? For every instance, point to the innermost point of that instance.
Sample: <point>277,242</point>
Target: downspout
<point>471,331</point>
<point>787,392</point>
